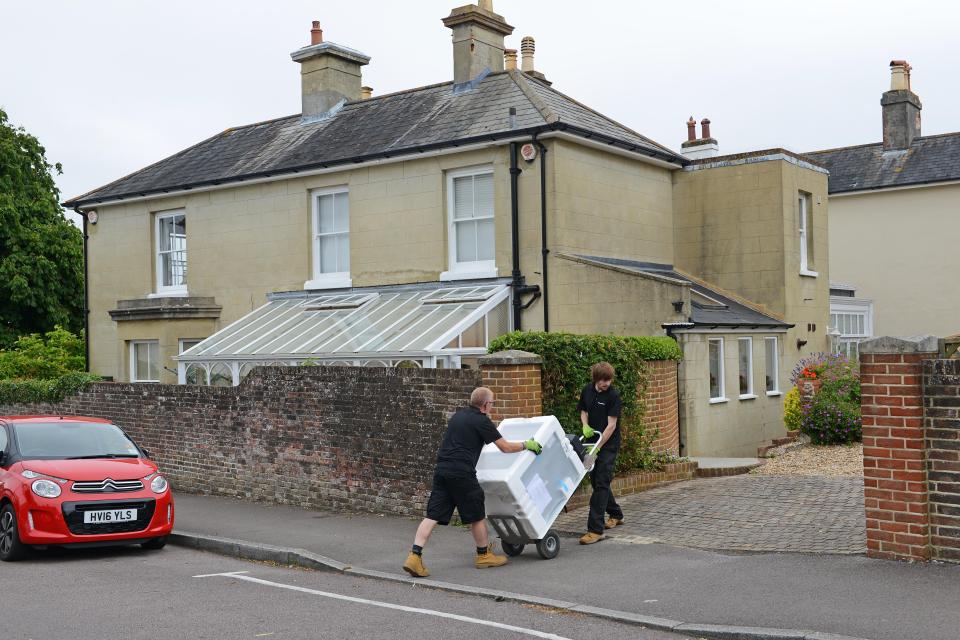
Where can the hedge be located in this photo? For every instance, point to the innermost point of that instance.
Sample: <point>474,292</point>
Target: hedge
<point>567,359</point>
<point>28,391</point>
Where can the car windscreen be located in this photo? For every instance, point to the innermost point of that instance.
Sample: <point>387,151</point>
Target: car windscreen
<point>60,440</point>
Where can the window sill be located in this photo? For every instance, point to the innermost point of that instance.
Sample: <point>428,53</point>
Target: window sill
<point>719,400</point>
<point>809,274</point>
<point>771,394</point>
<point>468,274</point>
<point>329,281</point>
<point>748,396</point>
<point>170,293</point>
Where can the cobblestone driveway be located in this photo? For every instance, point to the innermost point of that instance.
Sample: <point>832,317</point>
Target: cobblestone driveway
<point>805,514</point>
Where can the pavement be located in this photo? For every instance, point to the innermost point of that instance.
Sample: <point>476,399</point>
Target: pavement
<point>800,514</point>
<point>700,593</point>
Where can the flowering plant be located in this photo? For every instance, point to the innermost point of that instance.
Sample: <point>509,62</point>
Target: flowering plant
<point>832,416</point>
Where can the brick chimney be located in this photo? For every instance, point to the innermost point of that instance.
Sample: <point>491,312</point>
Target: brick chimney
<point>901,109</point>
<point>329,74</point>
<point>703,147</point>
<point>478,40</point>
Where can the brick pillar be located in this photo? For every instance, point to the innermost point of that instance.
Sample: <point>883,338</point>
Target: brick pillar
<point>941,391</point>
<point>662,407</point>
<point>514,378</point>
<point>895,478</point>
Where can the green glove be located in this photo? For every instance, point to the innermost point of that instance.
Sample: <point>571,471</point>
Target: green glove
<point>588,432</point>
<point>532,445</point>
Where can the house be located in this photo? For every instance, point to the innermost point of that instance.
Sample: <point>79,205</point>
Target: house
<point>410,229</point>
<point>894,224</point>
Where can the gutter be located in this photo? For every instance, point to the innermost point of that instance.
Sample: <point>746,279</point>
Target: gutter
<point>655,156</point>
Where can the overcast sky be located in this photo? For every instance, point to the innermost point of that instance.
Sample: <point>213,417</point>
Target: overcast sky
<point>110,86</point>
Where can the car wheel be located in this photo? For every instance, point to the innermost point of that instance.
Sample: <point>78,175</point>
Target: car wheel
<point>10,546</point>
<point>155,543</point>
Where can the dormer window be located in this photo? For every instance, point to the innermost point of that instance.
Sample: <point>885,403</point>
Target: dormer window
<point>471,227</point>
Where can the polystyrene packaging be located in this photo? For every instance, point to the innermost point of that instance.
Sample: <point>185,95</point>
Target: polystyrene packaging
<point>531,488</point>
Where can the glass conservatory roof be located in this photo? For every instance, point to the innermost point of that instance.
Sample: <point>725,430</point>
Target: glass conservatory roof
<point>359,323</point>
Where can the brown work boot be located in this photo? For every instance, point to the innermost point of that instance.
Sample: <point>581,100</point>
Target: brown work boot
<point>490,559</point>
<point>612,522</point>
<point>414,566</point>
<point>590,537</point>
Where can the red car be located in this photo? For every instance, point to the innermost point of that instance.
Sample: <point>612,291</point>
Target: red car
<point>70,481</point>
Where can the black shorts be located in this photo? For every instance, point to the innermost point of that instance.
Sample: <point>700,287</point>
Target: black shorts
<point>462,493</point>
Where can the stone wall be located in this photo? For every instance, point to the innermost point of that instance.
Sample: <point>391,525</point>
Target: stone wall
<point>911,449</point>
<point>941,402</point>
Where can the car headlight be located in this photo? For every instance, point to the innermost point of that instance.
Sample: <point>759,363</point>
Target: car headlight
<point>46,488</point>
<point>158,484</point>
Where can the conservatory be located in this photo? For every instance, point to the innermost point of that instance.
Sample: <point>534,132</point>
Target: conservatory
<point>425,326</point>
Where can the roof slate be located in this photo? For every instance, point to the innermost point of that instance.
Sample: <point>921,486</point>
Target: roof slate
<point>865,167</point>
<point>395,124</point>
<point>729,313</point>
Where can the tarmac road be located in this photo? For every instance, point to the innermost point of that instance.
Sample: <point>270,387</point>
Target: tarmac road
<point>129,593</point>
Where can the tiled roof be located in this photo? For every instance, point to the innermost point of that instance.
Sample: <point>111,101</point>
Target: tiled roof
<point>713,309</point>
<point>929,159</point>
<point>396,124</point>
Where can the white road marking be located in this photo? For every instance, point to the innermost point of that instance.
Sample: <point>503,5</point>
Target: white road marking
<point>213,575</point>
<point>649,601</point>
<point>386,605</point>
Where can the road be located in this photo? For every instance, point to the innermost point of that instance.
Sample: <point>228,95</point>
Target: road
<point>178,593</point>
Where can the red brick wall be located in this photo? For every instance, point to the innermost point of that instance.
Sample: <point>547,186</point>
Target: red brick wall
<point>662,405</point>
<point>895,478</point>
<point>516,390</point>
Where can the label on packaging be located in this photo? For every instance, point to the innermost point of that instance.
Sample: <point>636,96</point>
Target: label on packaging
<point>538,492</point>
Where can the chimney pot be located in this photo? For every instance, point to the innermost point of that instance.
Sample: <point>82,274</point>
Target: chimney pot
<point>510,58</point>
<point>691,129</point>
<point>527,48</point>
<point>366,93</point>
<point>486,5</point>
<point>316,33</point>
<point>705,124</point>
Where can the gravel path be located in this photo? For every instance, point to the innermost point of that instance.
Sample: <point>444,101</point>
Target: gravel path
<point>811,460</point>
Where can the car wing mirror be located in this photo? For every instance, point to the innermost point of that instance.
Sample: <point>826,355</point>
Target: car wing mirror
<point>146,452</point>
<point>3,458</point>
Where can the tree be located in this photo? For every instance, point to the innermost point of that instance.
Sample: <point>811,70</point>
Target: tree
<point>47,357</point>
<point>41,252</point>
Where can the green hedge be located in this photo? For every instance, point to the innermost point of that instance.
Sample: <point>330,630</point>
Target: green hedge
<point>567,359</point>
<point>29,391</point>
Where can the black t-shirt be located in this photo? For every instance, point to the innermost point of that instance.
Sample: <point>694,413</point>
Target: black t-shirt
<point>467,432</point>
<point>599,406</point>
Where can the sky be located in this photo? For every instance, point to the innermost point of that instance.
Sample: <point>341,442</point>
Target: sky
<point>111,86</point>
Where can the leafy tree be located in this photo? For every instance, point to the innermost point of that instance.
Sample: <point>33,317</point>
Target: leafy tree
<point>43,358</point>
<point>41,252</point>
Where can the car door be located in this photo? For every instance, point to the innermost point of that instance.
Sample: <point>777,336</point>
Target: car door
<point>5,462</point>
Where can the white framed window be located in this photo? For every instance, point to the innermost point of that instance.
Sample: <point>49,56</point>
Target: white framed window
<point>771,348</point>
<point>330,228</point>
<point>853,318</point>
<point>745,360</point>
<point>805,224</point>
<point>717,390</point>
<point>144,361</point>
<point>470,214</point>
<point>171,252</point>
<point>189,343</point>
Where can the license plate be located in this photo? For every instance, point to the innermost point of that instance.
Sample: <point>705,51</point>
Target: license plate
<point>104,517</point>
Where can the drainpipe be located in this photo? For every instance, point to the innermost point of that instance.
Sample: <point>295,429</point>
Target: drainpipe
<point>86,292</point>
<point>544,251</point>
<point>520,288</point>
